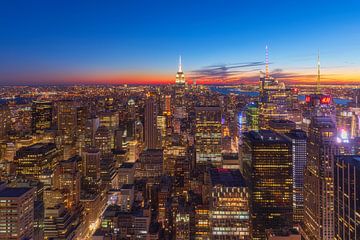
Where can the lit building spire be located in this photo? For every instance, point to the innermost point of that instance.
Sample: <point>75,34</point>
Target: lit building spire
<point>266,62</point>
<point>318,74</point>
<point>180,65</point>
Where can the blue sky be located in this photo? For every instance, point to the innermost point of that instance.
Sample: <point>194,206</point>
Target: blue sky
<point>48,40</point>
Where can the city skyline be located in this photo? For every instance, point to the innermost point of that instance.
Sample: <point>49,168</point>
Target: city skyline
<point>118,43</point>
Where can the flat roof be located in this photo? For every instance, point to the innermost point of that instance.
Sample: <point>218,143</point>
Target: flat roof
<point>14,192</point>
<point>37,148</point>
<point>227,177</point>
<point>265,136</point>
<point>127,165</point>
<point>296,134</point>
<point>351,159</point>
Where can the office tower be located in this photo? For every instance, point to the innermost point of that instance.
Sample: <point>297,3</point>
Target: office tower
<point>109,119</point>
<point>208,135</point>
<point>267,166</point>
<point>180,76</point>
<point>202,223</point>
<point>347,197</point>
<point>41,116</point>
<point>126,173</point>
<point>91,164</point>
<point>298,139</point>
<point>103,139</point>
<point>35,160</point>
<point>282,126</point>
<point>167,105</point>
<point>229,205</point>
<point>4,121</point>
<point>318,181</point>
<point>161,127</point>
<point>91,126</point>
<point>274,99</point>
<point>60,223</point>
<point>150,165</point>
<point>252,117</point>
<point>69,181</point>
<point>151,132</point>
<point>182,222</point>
<point>171,153</point>
<point>17,213</point>
<point>67,120</point>
<point>109,173</point>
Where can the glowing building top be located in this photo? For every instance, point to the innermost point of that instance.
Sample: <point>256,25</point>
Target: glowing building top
<point>180,76</point>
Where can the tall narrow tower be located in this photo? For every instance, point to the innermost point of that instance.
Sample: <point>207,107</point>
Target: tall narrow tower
<point>318,75</point>
<point>180,76</point>
<point>266,62</point>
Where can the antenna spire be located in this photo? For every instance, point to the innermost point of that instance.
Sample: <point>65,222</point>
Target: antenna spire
<point>318,74</point>
<point>180,65</point>
<point>266,62</point>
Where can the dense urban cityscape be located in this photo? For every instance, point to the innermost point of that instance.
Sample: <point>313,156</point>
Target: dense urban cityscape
<point>179,120</point>
<point>180,161</point>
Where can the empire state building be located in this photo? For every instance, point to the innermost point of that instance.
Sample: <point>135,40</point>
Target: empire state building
<point>180,76</point>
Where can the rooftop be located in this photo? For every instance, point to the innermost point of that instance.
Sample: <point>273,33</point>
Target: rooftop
<point>351,159</point>
<point>296,134</point>
<point>14,192</point>
<point>37,148</point>
<point>127,165</point>
<point>265,136</point>
<point>227,177</point>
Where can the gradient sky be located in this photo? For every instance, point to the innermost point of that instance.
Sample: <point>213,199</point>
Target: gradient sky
<point>139,41</point>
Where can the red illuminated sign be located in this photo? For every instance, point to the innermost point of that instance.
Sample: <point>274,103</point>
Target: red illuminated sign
<point>307,99</point>
<point>325,100</point>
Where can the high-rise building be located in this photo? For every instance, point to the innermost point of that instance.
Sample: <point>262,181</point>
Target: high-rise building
<point>150,165</point>
<point>347,197</point>
<point>17,213</point>
<point>298,139</point>
<point>35,160</point>
<point>180,76</point>
<point>41,116</point>
<point>151,131</point>
<point>69,181</point>
<point>91,164</point>
<point>67,120</point>
<point>318,181</point>
<point>267,167</point>
<point>230,216</point>
<point>208,135</point>
<point>103,139</point>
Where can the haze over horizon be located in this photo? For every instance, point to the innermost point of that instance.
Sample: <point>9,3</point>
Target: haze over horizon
<point>220,42</point>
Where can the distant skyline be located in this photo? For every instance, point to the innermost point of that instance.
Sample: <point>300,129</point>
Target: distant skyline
<point>62,42</point>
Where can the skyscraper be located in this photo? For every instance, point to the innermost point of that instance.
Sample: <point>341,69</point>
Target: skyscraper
<point>180,76</point>
<point>41,116</point>
<point>208,135</point>
<point>17,213</point>
<point>34,160</point>
<point>229,205</point>
<point>151,131</point>
<point>347,197</point>
<point>318,182</point>
<point>267,166</point>
<point>298,139</point>
<point>67,120</point>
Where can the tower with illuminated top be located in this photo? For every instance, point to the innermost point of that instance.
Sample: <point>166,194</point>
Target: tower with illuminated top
<point>180,76</point>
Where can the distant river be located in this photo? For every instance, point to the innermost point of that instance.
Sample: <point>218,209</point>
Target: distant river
<point>339,101</point>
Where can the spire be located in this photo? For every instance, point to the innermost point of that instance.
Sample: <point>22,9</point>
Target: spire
<point>180,65</point>
<point>266,62</point>
<point>318,74</point>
